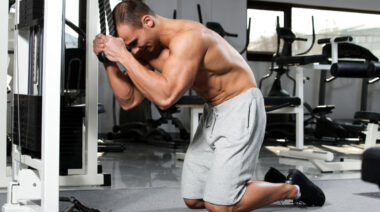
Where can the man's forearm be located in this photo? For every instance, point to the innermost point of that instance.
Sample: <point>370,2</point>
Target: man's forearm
<point>152,85</point>
<point>125,92</point>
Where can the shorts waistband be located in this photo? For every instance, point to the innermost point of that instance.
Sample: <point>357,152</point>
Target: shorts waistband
<point>255,92</point>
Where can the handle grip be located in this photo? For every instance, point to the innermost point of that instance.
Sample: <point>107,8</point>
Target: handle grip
<point>337,39</point>
<point>102,58</point>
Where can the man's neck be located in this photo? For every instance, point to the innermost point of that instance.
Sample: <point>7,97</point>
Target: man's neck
<point>166,30</point>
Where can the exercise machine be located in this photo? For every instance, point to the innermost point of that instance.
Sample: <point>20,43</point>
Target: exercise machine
<point>41,180</point>
<point>323,159</point>
<point>326,128</point>
<point>4,169</point>
<point>280,101</point>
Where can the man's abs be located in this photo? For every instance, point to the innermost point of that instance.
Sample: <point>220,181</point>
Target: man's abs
<point>215,89</point>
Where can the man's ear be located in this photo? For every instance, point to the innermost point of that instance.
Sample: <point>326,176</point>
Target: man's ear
<point>147,21</point>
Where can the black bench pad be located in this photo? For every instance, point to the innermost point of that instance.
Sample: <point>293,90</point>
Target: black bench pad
<point>273,101</point>
<point>368,116</point>
<point>300,60</point>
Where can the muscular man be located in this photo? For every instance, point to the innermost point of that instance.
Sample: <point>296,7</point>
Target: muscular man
<point>221,159</point>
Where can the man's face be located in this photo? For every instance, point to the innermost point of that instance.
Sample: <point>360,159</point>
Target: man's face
<point>137,40</point>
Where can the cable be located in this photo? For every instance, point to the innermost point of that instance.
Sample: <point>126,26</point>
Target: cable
<point>76,205</point>
<point>18,101</point>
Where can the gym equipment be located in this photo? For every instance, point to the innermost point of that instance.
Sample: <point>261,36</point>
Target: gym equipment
<point>282,127</point>
<point>372,130</point>
<point>325,127</point>
<point>76,205</point>
<point>370,165</point>
<point>137,123</point>
<point>43,180</point>
<point>34,23</point>
<point>4,83</point>
<point>322,159</point>
<point>74,87</point>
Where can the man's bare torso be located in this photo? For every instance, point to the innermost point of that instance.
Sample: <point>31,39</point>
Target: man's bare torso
<point>223,72</point>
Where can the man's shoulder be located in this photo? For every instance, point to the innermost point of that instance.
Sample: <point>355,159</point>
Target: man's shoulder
<point>188,36</point>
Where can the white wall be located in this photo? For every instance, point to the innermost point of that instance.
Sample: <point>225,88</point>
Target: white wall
<point>344,93</point>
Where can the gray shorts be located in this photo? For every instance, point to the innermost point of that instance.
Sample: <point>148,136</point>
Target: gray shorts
<point>223,154</point>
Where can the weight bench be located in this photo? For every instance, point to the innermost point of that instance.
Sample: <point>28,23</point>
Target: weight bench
<point>371,156</point>
<point>362,70</point>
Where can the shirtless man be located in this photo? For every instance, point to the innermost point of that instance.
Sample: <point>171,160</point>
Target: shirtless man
<point>221,159</point>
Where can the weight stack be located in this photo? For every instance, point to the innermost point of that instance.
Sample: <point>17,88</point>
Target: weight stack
<point>29,123</point>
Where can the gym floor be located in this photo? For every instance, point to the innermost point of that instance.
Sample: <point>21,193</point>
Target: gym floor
<point>146,178</point>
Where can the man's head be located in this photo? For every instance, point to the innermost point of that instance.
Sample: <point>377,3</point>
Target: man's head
<point>134,22</point>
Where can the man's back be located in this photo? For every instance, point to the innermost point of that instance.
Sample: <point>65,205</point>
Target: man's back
<point>222,74</point>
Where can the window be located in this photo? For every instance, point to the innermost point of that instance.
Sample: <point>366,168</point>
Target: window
<point>263,38</point>
<point>72,15</point>
<point>364,27</point>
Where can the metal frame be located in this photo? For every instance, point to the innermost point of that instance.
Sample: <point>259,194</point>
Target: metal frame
<point>27,184</point>
<point>300,152</point>
<point>296,110</point>
<point>90,176</point>
<point>4,178</point>
<point>43,182</point>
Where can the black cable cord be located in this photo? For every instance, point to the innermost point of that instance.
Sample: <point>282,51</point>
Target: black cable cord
<point>105,12</point>
<point>76,205</point>
<point>102,19</point>
<point>199,13</point>
<point>111,25</point>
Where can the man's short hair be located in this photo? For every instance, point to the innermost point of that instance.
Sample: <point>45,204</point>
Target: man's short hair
<point>130,12</point>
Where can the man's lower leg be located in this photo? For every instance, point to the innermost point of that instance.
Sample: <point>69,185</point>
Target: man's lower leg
<point>259,194</point>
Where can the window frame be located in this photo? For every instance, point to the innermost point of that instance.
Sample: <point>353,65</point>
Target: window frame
<point>287,9</point>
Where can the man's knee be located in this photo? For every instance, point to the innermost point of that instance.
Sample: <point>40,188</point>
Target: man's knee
<point>219,208</point>
<point>194,203</point>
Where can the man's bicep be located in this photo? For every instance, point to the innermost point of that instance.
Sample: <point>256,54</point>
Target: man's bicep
<point>181,71</point>
<point>184,62</point>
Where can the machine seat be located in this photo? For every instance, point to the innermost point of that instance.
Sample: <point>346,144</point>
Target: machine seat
<point>323,109</point>
<point>368,116</point>
<point>300,60</point>
<point>274,101</point>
